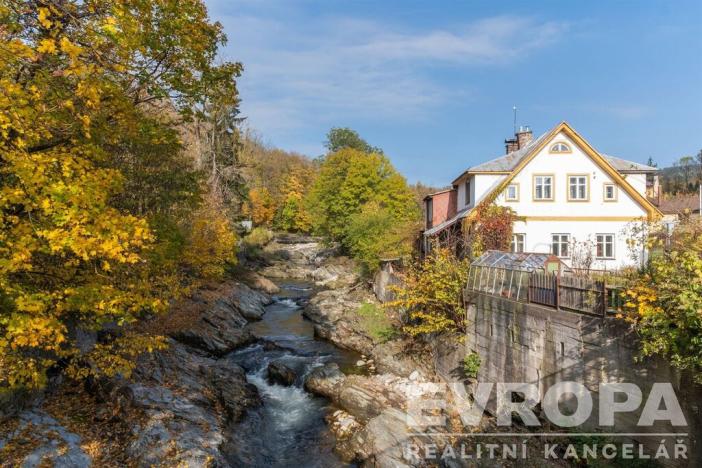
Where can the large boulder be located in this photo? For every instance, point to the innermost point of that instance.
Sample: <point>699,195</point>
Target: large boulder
<point>249,303</point>
<point>261,283</point>
<point>181,395</point>
<point>326,381</point>
<point>381,442</point>
<point>279,373</point>
<point>366,397</point>
<point>218,327</point>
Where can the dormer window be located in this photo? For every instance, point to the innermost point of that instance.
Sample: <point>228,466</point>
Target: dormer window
<point>560,147</point>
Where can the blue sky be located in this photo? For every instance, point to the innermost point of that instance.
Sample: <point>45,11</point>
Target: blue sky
<point>433,83</point>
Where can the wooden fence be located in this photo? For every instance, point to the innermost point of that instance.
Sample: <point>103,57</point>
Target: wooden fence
<point>577,293</point>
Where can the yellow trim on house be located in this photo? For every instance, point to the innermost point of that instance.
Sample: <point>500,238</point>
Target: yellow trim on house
<point>604,192</point>
<point>569,199</point>
<point>582,218</point>
<point>512,200</point>
<point>653,213</point>
<point>553,188</point>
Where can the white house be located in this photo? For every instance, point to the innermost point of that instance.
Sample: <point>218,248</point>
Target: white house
<point>570,198</point>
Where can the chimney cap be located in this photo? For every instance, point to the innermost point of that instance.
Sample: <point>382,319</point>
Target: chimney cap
<point>524,129</point>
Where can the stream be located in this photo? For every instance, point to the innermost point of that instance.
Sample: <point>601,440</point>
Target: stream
<point>289,428</point>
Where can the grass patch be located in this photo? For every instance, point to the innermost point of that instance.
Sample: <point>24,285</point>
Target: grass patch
<point>376,322</point>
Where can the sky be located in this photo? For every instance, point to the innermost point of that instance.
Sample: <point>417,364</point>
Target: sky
<point>433,83</point>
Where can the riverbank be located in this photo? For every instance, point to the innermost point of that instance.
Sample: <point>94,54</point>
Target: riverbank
<point>181,403</point>
<point>257,374</point>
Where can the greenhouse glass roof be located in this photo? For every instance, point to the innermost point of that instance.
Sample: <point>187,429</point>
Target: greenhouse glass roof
<point>525,261</point>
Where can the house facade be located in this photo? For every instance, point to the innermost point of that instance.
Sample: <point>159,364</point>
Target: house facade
<point>572,201</point>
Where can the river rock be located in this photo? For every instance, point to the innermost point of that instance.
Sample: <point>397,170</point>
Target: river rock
<point>181,393</point>
<point>56,446</point>
<point>326,381</point>
<point>342,424</point>
<point>249,303</point>
<point>176,432</point>
<point>219,329</point>
<point>367,397</point>
<point>279,373</point>
<point>380,443</point>
<point>262,283</point>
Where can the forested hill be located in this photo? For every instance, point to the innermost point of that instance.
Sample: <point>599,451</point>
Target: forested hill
<point>681,178</point>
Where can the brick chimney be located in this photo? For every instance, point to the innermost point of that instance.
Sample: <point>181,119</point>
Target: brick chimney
<point>511,145</point>
<point>524,136</point>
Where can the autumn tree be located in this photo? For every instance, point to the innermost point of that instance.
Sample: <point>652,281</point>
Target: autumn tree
<point>348,179</point>
<point>489,228</point>
<point>292,214</point>
<point>339,138</point>
<point>267,167</point>
<point>78,80</point>
<point>431,294</point>
<point>356,190</point>
<point>376,232</point>
<point>665,301</point>
<point>260,207</point>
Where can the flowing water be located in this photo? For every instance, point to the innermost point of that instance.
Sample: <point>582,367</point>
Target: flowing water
<point>289,428</point>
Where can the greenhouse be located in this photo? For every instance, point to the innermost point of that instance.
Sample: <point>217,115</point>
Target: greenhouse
<point>506,274</point>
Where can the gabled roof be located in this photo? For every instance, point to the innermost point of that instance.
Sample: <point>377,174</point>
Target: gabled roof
<point>507,163</point>
<point>512,163</point>
<point>430,195</point>
<point>532,150</point>
<point>624,166</point>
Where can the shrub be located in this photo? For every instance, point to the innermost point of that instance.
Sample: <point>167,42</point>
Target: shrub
<point>665,301</point>
<point>258,237</point>
<point>431,294</point>
<point>471,365</point>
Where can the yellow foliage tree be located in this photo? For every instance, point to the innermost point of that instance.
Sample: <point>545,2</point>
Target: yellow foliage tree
<point>292,215</point>
<point>74,77</point>
<point>431,294</point>
<point>212,242</point>
<point>261,207</point>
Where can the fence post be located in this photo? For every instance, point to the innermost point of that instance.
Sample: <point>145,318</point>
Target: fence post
<point>557,282</point>
<point>529,278</point>
<point>604,298</point>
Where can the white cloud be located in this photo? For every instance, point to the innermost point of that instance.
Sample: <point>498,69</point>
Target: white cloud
<point>328,70</point>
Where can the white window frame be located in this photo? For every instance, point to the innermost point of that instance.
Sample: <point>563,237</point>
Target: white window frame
<point>614,192</point>
<point>514,244</point>
<point>560,147</point>
<point>466,187</point>
<point>558,252</point>
<point>543,185</point>
<point>515,198</point>
<point>579,181</point>
<point>604,246</point>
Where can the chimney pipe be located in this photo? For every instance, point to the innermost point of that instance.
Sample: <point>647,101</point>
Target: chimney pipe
<point>524,136</point>
<point>511,145</point>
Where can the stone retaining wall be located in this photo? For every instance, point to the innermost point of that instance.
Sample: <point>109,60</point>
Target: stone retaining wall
<point>520,342</point>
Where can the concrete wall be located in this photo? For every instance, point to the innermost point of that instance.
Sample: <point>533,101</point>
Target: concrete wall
<point>527,343</point>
